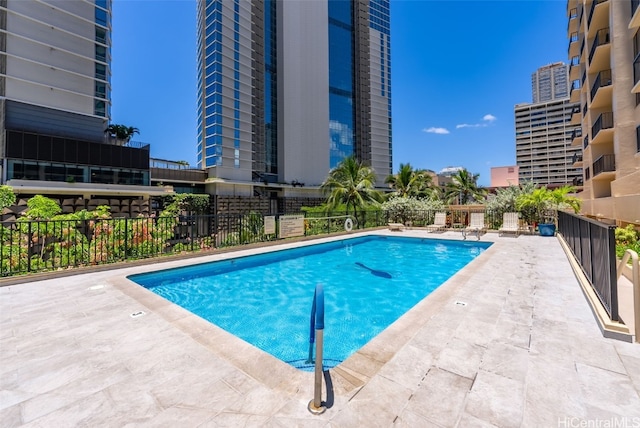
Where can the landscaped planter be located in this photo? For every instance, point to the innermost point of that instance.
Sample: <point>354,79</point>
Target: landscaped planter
<point>547,229</point>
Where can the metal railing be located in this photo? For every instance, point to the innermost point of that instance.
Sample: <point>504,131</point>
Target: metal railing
<point>636,70</point>
<point>585,142</point>
<point>577,157</point>
<point>605,163</point>
<point>634,6</point>
<point>40,246</point>
<point>316,331</point>
<point>604,121</point>
<point>576,133</point>
<point>602,38</point>
<point>594,246</point>
<point>593,8</point>
<point>603,79</point>
<point>635,284</point>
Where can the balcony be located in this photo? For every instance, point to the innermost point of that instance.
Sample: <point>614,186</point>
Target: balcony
<point>600,51</point>
<point>181,175</point>
<point>636,75</point>
<point>572,50</point>
<point>635,15</point>
<point>601,90</point>
<point>574,92</point>
<point>572,25</point>
<point>577,160</point>
<point>602,129</point>
<point>584,110</point>
<point>576,134</point>
<point>604,167</point>
<point>598,15</point>
<point>585,142</point>
<point>574,68</point>
<point>575,115</point>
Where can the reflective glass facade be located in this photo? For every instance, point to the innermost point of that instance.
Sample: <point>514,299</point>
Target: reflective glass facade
<point>102,91</point>
<point>271,87</point>
<point>210,118</point>
<point>341,113</point>
<point>246,50</point>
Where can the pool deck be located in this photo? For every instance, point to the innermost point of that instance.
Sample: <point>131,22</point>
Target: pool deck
<point>508,341</point>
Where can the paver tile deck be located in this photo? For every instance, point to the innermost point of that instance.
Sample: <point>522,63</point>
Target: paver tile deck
<point>525,350</point>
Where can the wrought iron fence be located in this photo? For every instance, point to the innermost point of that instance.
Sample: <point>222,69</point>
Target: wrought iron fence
<point>594,246</point>
<point>38,246</point>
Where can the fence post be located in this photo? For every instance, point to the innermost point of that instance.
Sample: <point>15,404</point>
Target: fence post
<point>126,237</point>
<point>191,238</point>
<point>29,246</point>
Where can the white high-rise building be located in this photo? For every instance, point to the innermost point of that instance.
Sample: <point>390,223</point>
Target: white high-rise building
<point>55,103</point>
<point>550,82</point>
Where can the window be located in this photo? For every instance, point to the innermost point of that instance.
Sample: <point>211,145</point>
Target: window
<point>101,17</point>
<point>101,35</point>
<point>101,53</point>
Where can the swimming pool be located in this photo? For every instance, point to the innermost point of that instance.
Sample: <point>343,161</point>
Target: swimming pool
<point>265,299</point>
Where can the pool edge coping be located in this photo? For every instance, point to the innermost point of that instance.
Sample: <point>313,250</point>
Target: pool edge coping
<point>347,377</point>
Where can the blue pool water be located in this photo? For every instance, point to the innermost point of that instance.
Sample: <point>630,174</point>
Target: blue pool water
<point>265,299</point>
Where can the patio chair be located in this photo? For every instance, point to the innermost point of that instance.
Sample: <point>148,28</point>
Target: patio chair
<point>476,224</point>
<point>510,223</point>
<point>439,223</point>
<point>396,226</point>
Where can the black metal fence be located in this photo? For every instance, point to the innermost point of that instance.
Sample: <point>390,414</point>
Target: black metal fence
<point>594,246</point>
<point>37,246</point>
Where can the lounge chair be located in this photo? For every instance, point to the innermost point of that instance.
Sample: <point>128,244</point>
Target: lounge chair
<point>439,223</point>
<point>510,224</point>
<point>476,224</point>
<point>396,226</point>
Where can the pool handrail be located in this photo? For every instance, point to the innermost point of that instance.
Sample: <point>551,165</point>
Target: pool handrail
<point>316,327</point>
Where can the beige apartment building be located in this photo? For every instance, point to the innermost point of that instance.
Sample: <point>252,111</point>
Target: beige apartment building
<point>544,134</point>
<point>604,55</point>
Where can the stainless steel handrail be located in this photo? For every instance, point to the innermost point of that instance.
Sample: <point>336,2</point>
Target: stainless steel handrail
<point>317,326</point>
<point>635,280</point>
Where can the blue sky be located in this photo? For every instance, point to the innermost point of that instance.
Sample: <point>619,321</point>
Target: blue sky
<point>458,69</point>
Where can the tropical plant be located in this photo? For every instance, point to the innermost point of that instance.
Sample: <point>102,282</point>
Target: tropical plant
<point>409,182</point>
<point>351,183</point>
<point>464,187</point>
<point>403,210</point>
<point>627,238</point>
<point>7,197</point>
<point>541,204</point>
<point>121,132</point>
<point>505,198</point>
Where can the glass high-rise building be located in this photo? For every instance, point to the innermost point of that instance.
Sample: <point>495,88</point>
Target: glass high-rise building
<point>287,89</point>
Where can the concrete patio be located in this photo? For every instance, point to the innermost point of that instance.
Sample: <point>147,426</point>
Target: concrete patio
<point>525,350</point>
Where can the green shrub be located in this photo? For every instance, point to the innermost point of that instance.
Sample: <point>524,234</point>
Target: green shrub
<point>627,238</point>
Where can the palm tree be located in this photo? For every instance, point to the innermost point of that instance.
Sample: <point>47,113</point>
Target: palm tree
<point>409,182</point>
<point>464,186</point>
<point>351,183</point>
<point>121,132</point>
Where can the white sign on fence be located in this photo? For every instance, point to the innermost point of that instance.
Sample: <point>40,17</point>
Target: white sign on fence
<point>270,225</point>
<point>291,225</point>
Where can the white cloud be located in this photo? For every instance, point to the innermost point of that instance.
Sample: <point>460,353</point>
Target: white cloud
<point>467,125</point>
<point>434,130</point>
<point>487,118</point>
